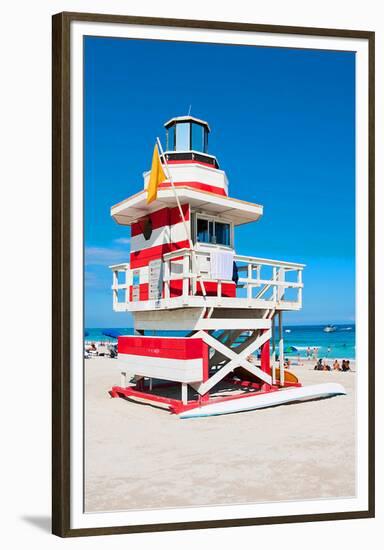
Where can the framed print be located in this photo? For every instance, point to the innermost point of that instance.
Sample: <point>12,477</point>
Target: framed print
<point>213,274</point>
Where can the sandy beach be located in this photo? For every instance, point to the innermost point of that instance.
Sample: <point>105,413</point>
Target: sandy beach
<point>140,457</point>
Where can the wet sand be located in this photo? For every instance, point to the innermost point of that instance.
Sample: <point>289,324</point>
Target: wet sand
<point>141,457</point>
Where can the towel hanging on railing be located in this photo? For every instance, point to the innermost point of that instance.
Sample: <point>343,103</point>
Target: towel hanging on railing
<point>222,265</point>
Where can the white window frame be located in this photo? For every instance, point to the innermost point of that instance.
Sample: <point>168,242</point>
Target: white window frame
<point>213,219</point>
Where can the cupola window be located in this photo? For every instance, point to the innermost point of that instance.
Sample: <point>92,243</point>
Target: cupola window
<point>187,134</point>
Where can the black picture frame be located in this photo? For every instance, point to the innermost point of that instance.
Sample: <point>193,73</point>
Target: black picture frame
<point>61,269</point>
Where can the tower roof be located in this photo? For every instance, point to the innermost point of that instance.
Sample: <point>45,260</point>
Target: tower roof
<point>186,118</point>
<point>132,209</point>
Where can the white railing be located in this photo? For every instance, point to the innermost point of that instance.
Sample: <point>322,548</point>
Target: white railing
<point>116,286</point>
<point>260,279</point>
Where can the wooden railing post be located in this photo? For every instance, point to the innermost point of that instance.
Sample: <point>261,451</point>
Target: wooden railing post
<point>167,277</point>
<point>185,275</point>
<point>274,277</point>
<point>126,285</point>
<point>249,284</point>
<point>300,289</point>
<point>115,281</point>
<point>281,279</point>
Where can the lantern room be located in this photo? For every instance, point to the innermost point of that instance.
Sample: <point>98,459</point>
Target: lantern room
<point>187,139</point>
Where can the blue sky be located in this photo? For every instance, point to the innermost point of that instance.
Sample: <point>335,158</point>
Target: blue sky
<point>283,129</point>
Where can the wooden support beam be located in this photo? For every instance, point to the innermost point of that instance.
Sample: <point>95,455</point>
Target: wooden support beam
<point>281,349</point>
<point>184,393</point>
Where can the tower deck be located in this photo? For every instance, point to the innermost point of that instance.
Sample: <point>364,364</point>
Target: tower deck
<point>262,284</point>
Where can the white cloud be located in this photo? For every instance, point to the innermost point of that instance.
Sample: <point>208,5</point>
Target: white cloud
<point>122,240</point>
<point>98,255</point>
<point>91,280</point>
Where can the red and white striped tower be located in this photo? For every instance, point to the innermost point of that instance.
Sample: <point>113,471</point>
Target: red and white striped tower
<point>184,275</point>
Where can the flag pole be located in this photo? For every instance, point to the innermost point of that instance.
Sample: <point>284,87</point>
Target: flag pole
<point>169,176</point>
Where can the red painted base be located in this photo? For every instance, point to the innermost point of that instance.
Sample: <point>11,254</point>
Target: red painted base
<point>176,406</point>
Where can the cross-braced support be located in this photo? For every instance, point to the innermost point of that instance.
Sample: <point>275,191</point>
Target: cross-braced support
<point>235,360</point>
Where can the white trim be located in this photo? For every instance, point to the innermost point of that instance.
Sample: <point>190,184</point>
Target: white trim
<point>202,324</point>
<point>187,118</point>
<point>162,368</point>
<point>132,209</point>
<point>192,172</point>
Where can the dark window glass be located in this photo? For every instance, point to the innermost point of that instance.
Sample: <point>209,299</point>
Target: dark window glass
<point>202,231</point>
<point>197,137</point>
<point>223,235</point>
<point>171,139</point>
<point>205,150</point>
<point>211,233</point>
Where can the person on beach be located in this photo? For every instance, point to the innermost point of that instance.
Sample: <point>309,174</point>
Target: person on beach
<point>336,365</point>
<point>319,365</point>
<point>308,353</point>
<point>345,366</point>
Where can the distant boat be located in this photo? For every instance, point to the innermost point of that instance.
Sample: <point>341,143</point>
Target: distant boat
<point>287,330</point>
<point>329,328</point>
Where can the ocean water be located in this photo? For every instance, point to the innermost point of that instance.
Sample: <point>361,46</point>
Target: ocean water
<point>340,343</point>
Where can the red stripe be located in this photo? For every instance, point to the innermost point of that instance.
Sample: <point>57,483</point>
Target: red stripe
<point>143,292</point>
<point>116,391</point>
<point>175,216</point>
<point>175,288</point>
<point>197,185</point>
<point>191,162</point>
<point>160,218</point>
<point>167,348</point>
<point>228,290</point>
<point>141,258</point>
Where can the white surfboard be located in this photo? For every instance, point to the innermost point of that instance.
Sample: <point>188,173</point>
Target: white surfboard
<point>264,400</point>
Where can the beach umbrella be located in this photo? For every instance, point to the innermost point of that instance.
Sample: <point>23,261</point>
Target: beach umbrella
<point>290,349</point>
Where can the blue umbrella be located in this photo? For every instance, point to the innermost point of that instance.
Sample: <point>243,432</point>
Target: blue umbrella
<point>290,349</point>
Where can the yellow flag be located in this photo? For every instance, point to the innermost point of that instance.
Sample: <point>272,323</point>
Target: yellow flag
<point>157,176</point>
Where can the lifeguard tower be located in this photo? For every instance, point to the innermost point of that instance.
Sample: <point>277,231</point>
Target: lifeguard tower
<point>184,275</point>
